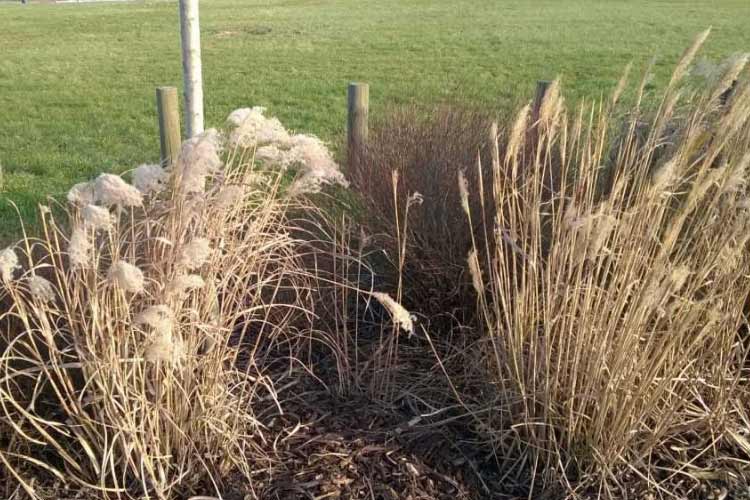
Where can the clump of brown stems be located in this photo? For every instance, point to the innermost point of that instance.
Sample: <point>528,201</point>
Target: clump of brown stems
<point>425,148</point>
<point>134,333</point>
<point>613,311</point>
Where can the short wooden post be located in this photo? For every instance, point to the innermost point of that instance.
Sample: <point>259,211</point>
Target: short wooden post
<point>541,90</point>
<point>358,110</point>
<point>168,108</point>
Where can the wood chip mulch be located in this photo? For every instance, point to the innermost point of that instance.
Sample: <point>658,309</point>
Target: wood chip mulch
<point>357,450</point>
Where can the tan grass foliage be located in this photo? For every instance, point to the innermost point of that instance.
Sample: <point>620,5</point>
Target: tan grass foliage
<point>128,365</point>
<point>606,254</point>
<point>615,302</point>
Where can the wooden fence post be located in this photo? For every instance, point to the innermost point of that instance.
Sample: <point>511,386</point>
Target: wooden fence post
<point>541,90</point>
<point>358,110</point>
<point>168,108</point>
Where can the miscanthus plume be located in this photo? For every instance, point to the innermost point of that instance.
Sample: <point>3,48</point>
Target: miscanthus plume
<point>199,159</point>
<point>399,314</point>
<point>252,128</point>
<point>81,194</point>
<point>80,248</point>
<point>150,179</point>
<point>183,283</point>
<point>41,289</point>
<point>315,163</point>
<point>229,196</point>
<point>8,263</point>
<point>126,276</point>
<point>195,253</point>
<point>163,345</point>
<point>97,217</point>
<point>165,348</point>
<point>159,318</point>
<point>111,190</point>
<point>275,147</point>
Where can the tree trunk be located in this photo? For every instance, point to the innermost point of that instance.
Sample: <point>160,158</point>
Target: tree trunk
<point>191,66</point>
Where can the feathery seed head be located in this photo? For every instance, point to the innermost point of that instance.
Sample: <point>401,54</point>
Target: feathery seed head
<point>253,128</point>
<point>551,106</point>
<point>476,272</point>
<point>315,162</point>
<point>165,348</point>
<point>313,181</point>
<point>195,253</point>
<point>229,196</point>
<point>665,175</point>
<point>570,216</point>
<point>518,132</point>
<point>275,147</point>
<point>112,190</point>
<point>159,317</point>
<point>41,289</point>
<point>126,276</point>
<point>399,314</point>
<point>81,194</point>
<point>621,84</point>
<point>603,226</point>
<point>270,155</point>
<point>463,190</point>
<point>199,158</point>
<point>150,179</point>
<point>183,283</point>
<point>688,56</point>
<point>679,277</point>
<point>736,181</point>
<point>8,263</point>
<point>238,116</point>
<point>415,199</point>
<point>97,217</point>
<point>80,248</point>
<point>735,67</point>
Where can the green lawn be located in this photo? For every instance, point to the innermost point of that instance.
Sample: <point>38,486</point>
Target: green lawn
<point>77,81</point>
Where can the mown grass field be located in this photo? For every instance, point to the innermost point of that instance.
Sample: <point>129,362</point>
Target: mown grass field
<point>77,80</point>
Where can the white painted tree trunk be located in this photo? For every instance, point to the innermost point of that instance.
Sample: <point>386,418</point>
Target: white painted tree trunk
<point>191,66</point>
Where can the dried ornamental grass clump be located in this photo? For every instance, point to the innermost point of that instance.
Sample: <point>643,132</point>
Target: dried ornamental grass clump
<point>427,149</point>
<point>132,326</point>
<point>614,306</point>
